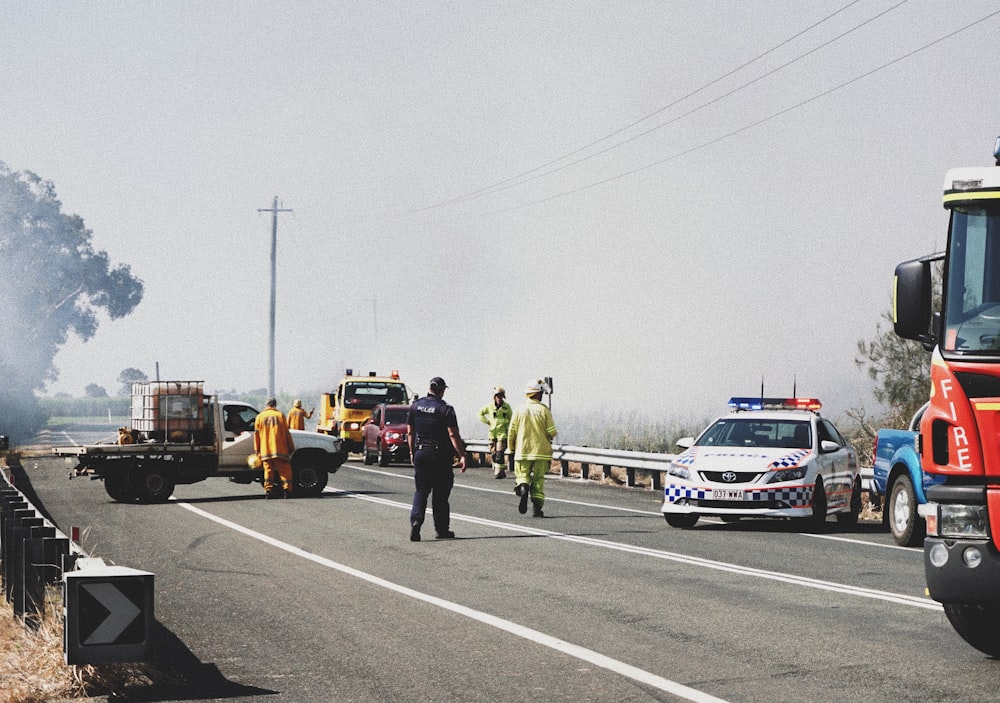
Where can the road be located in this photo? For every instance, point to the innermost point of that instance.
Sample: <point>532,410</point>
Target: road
<point>327,599</point>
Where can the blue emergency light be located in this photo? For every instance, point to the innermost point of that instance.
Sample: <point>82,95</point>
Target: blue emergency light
<point>738,403</point>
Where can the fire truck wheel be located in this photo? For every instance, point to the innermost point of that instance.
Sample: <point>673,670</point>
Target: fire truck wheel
<point>977,623</point>
<point>152,482</point>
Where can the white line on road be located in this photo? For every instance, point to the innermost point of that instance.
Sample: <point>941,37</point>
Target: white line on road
<point>887,596</point>
<point>582,653</point>
<point>603,506</point>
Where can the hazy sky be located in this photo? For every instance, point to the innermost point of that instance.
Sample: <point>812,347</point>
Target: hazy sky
<point>440,225</point>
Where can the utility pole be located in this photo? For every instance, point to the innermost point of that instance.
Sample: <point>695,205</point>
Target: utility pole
<point>274,210</point>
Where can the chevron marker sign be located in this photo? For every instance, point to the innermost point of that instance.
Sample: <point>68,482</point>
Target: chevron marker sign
<point>108,615</point>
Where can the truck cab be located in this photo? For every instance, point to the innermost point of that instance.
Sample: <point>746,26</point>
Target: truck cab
<point>344,411</point>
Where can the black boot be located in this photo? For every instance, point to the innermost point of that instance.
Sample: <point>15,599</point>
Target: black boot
<point>536,506</point>
<point>414,531</point>
<point>524,491</point>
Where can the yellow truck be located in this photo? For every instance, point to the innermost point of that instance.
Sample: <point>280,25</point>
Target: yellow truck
<point>344,411</point>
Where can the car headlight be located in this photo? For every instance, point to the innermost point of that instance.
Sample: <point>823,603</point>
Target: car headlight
<point>679,471</point>
<point>353,426</point>
<point>799,472</point>
<point>394,435</point>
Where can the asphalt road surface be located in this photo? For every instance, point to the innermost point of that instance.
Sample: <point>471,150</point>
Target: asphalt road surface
<point>326,599</point>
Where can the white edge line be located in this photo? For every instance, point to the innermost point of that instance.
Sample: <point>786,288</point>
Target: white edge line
<point>582,653</point>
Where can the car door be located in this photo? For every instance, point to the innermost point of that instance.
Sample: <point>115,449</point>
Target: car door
<point>837,466</point>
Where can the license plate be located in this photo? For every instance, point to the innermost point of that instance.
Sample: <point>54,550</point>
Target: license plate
<point>726,494</point>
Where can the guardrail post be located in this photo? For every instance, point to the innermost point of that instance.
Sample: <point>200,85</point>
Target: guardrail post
<point>33,574</point>
<point>21,533</point>
<point>11,520</point>
<point>564,468</point>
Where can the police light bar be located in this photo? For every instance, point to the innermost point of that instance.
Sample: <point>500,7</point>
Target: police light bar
<point>738,403</point>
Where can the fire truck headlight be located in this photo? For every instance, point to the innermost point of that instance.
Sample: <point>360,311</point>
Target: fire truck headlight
<point>938,556</point>
<point>962,521</point>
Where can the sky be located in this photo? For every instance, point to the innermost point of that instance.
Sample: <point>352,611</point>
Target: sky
<point>658,204</point>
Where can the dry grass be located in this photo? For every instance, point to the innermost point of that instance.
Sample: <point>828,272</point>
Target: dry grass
<point>31,661</point>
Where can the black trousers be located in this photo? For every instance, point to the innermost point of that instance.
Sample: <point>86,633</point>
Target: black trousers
<point>434,478</point>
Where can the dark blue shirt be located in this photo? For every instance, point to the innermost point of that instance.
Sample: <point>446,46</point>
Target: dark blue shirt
<point>429,419</point>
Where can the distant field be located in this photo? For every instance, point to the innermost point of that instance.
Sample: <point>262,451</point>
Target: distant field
<point>90,421</point>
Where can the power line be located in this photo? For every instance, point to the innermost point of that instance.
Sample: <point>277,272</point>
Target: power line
<point>734,132</point>
<point>516,179</point>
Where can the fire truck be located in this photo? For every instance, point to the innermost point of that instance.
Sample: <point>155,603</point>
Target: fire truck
<point>344,411</point>
<point>960,431</point>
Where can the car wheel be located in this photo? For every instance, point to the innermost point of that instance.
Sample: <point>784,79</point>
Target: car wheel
<point>907,530</point>
<point>817,521</point>
<point>152,482</point>
<point>977,623</point>
<point>683,521</point>
<point>384,457</point>
<point>309,476</point>
<point>850,518</point>
<point>117,487</point>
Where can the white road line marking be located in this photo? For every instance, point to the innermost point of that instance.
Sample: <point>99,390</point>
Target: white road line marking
<point>582,653</point>
<point>603,506</point>
<point>887,596</point>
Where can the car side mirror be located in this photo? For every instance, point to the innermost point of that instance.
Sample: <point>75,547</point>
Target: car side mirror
<point>685,442</point>
<point>827,446</point>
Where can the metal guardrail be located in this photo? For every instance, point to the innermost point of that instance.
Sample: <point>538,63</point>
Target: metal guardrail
<point>636,464</point>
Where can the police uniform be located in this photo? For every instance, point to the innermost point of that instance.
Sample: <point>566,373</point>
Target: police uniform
<point>433,454</point>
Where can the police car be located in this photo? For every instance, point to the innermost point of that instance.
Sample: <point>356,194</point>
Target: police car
<point>769,457</point>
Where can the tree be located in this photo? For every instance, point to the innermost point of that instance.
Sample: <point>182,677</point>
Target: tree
<point>129,376</point>
<point>55,284</point>
<point>95,391</point>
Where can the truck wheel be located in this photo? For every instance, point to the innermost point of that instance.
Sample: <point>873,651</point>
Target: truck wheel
<point>681,520</point>
<point>977,623</point>
<point>309,475</point>
<point>384,457</point>
<point>850,518</point>
<point>817,521</point>
<point>907,530</point>
<point>152,483</point>
<point>117,487</point>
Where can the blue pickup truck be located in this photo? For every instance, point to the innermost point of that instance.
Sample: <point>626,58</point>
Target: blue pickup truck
<point>900,485</point>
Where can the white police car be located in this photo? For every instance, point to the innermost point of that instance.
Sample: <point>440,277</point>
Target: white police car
<point>770,457</point>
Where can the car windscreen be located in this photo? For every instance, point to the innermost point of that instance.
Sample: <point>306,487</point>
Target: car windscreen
<point>395,416</point>
<point>755,432</point>
<point>366,395</point>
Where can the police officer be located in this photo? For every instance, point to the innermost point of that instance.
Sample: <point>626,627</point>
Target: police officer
<point>432,433</point>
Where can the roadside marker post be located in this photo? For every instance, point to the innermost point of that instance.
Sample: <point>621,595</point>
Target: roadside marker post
<point>108,614</point>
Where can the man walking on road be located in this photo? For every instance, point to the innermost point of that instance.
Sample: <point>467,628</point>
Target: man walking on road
<point>530,439</point>
<point>273,443</point>
<point>432,433</point>
<point>497,416</point>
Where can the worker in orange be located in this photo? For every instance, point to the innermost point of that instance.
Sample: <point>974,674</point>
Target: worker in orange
<point>273,443</point>
<point>297,416</point>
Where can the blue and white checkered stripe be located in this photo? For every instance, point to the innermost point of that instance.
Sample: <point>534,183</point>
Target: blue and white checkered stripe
<point>794,496</point>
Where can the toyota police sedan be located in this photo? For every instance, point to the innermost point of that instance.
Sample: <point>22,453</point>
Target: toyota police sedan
<point>770,457</point>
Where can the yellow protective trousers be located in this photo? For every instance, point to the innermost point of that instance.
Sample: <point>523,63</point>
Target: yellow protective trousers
<point>277,474</point>
<point>532,472</point>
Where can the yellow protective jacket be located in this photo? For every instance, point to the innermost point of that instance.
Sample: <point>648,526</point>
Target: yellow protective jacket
<point>531,432</point>
<point>498,418</point>
<point>297,418</point>
<point>271,438</point>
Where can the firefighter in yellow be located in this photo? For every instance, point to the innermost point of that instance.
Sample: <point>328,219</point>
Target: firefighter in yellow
<point>297,416</point>
<point>497,416</point>
<point>273,443</point>
<point>530,440</point>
